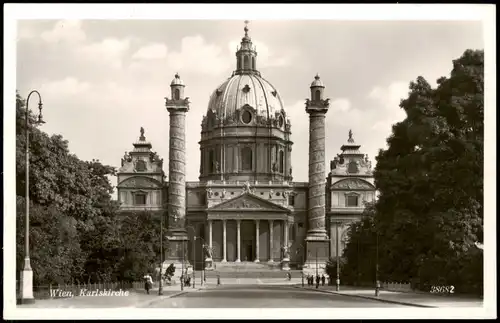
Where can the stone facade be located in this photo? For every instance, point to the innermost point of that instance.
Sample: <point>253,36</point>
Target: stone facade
<point>246,206</point>
<point>350,185</point>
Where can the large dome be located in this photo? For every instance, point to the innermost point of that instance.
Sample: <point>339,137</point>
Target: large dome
<point>245,90</point>
<point>245,135</point>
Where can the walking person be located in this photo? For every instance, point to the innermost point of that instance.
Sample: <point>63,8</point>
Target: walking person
<point>148,282</point>
<point>317,281</point>
<point>323,280</point>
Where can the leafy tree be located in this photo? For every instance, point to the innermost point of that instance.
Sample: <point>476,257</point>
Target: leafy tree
<point>70,201</point>
<point>56,255</point>
<point>140,243</point>
<point>429,214</point>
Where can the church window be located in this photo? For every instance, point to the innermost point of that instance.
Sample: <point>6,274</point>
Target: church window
<point>351,200</point>
<point>291,200</point>
<point>317,95</point>
<point>140,199</point>
<point>177,94</point>
<point>238,59</point>
<point>246,62</point>
<point>253,63</point>
<point>246,158</point>
<point>281,161</point>
<point>211,161</point>
<point>280,121</point>
<point>140,166</point>
<point>246,117</point>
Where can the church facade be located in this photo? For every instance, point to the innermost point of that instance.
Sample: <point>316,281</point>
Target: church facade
<point>246,206</point>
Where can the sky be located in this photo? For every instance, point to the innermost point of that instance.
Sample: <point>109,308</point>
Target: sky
<point>101,80</point>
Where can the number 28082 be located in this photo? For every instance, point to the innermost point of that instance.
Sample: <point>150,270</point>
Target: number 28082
<point>443,289</point>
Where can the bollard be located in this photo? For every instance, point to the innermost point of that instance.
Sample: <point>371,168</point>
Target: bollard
<point>377,288</point>
<point>218,280</point>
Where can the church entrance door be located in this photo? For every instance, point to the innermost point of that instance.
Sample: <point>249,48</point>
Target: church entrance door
<point>247,251</point>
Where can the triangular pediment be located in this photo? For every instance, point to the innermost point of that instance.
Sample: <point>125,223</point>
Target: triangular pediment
<point>248,202</point>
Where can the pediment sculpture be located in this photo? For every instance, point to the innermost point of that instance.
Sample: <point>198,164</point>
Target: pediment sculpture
<point>352,183</point>
<point>139,182</point>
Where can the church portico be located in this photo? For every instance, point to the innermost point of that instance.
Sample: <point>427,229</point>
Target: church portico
<point>247,237</point>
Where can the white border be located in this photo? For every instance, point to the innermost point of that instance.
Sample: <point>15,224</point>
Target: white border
<point>484,13</point>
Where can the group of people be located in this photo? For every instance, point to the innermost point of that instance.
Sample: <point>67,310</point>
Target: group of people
<point>148,281</point>
<point>310,280</point>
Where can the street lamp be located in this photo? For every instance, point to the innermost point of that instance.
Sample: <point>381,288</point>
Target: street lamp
<point>337,282</point>
<point>301,249</point>
<point>26,289</point>
<point>160,288</point>
<point>194,253</point>
<point>377,282</point>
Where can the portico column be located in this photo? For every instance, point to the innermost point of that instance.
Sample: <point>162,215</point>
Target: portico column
<point>271,227</point>
<point>257,234</point>
<point>210,234</point>
<point>285,227</point>
<point>238,241</point>
<point>224,241</point>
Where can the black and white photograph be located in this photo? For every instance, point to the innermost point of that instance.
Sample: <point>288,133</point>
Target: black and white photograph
<point>258,161</point>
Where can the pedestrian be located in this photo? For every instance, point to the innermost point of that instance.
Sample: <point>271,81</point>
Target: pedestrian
<point>148,282</point>
<point>308,280</point>
<point>317,281</point>
<point>289,276</point>
<point>322,280</point>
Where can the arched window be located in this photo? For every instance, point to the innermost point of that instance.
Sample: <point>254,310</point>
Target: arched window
<point>253,63</point>
<point>211,161</point>
<point>238,62</point>
<point>246,62</point>
<point>317,95</point>
<point>177,94</point>
<point>281,161</point>
<point>246,159</point>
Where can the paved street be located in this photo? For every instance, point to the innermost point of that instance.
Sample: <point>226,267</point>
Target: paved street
<point>261,296</point>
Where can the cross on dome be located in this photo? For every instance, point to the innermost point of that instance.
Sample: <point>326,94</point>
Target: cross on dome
<point>246,27</point>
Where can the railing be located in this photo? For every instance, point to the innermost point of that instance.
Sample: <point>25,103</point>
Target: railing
<point>397,286</point>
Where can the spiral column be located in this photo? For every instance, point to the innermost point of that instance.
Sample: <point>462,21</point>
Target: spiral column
<point>317,240</point>
<point>177,107</point>
<point>316,196</point>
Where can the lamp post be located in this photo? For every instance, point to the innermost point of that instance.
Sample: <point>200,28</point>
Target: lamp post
<point>194,253</point>
<point>26,289</point>
<point>337,282</point>
<point>377,282</point>
<point>182,266</point>
<point>160,288</point>
<point>301,249</point>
